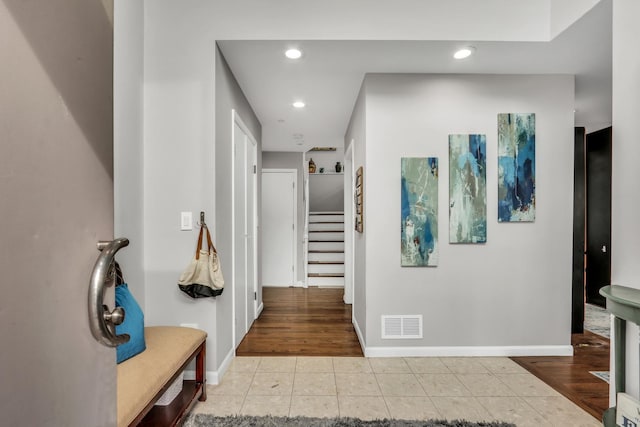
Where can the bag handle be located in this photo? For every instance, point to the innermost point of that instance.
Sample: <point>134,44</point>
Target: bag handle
<point>209,242</point>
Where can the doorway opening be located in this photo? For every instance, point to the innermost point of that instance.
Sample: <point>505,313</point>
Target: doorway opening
<point>306,307</point>
<point>592,223</point>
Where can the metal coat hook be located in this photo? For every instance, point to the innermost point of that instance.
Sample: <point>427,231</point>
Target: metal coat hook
<point>202,223</point>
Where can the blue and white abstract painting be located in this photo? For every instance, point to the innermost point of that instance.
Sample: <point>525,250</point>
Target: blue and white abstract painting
<point>419,221</point>
<point>467,188</point>
<point>516,167</point>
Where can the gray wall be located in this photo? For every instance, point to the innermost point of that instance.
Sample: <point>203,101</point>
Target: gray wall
<point>178,175</point>
<point>625,228</point>
<point>291,160</point>
<point>56,192</point>
<point>326,192</point>
<point>356,132</point>
<point>229,96</point>
<point>128,140</point>
<point>515,289</point>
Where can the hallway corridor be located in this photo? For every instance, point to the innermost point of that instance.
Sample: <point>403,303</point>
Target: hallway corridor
<point>302,322</point>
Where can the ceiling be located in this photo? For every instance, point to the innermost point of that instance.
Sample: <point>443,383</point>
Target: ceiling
<point>329,75</point>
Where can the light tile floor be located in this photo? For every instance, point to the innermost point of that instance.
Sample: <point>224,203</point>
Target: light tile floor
<point>476,389</point>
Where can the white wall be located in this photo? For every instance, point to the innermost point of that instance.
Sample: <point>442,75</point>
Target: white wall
<point>356,132</point>
<point>625,228</point>
<point>291,160</point>
<point>128,83</point>
<point>515,290</point>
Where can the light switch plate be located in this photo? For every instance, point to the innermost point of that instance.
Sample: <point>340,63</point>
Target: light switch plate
<point>186,221</point>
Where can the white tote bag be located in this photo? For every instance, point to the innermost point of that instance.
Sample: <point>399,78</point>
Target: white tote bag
<point>203,277</point>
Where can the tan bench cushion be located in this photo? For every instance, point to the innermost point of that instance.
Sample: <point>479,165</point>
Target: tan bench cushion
<point>143,376</point>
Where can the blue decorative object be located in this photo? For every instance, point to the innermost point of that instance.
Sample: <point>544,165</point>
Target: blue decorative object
<point>133,324</point>
<point>516,167</point>
<point>467,189</point>
<point>419,209</point>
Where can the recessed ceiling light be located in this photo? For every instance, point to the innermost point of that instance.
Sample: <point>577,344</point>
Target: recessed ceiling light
<point>299,104</point>
<point>465,52</point>
<point>293,53</point>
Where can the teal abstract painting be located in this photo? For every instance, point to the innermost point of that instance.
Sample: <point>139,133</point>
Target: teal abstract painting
<point>467,189</point>
<point>516,167</point>
<point>419,201</point>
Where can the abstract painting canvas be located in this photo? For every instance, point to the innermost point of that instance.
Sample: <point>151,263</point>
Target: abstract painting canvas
<point>516,167</point>
<point>467,189</point>
<point>419,201</point>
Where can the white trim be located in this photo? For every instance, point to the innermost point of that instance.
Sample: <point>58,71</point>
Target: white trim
<point>348,216</point>
<point>237,120</point>
<point>294,174</point>
<point>260,308</point>
<point>467,351</point>
<point>305,232</point>
<point>213,377</point>
<point>359,335</point>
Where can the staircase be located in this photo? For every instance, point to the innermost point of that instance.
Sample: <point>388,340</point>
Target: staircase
<point>325,267</point>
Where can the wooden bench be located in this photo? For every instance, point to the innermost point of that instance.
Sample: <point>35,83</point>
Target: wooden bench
<point>144,378</point>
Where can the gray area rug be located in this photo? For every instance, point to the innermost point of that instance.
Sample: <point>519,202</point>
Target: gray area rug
<point>597,320</point>
<point>206,420</point>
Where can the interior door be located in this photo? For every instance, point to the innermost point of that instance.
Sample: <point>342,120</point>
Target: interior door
<point>598,170</point>
<point>56,190</point>
<point>244,227</point>
<point>239,233</point>
<point>278,227</point>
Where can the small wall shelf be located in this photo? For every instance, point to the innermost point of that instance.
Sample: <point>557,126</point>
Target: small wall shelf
<point>326,173</point>
<point>624,303</point>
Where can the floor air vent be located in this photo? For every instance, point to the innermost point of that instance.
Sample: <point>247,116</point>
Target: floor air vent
<point>402,327</point>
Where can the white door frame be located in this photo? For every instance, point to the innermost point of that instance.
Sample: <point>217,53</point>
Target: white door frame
<point>305,234</point>
<point>349,231</point>
<point>237,120</point>
<point>294,173</point>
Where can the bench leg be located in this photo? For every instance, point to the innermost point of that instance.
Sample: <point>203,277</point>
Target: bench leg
<point>201,370</point>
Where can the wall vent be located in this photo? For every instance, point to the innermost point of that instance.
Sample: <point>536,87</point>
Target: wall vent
<point>402,327</point>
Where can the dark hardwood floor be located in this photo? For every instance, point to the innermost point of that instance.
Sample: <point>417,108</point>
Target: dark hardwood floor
<point>570,375</point>
<point>315,322</point>
<point>302,322</point>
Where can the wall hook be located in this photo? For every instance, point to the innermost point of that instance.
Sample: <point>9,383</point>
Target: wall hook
<point>202,223</point>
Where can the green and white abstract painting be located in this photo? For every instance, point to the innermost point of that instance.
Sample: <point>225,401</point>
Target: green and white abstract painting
<point>467,188</point>
<point>419,219</point>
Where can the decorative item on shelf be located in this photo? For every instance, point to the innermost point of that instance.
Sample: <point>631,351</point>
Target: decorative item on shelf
<point>338,167</point>
<point>312,166</point>
<point>321,170</point>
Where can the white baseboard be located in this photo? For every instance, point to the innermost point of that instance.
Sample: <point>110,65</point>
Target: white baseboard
<point>467,351</point>
<point>359,334</point>
<point>260,308</point>
<point>213,377</point>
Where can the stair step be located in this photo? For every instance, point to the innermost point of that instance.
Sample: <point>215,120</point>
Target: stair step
<point>328,236</point>
<point>321,218</point>
<point>323,281</point>
<point>332,268</point>
<point>325,274</point>
<point>326,262</point>
<point>326,246</point>
<point>325,256</point>
<point>333,226</point>
<point>326,213</point>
